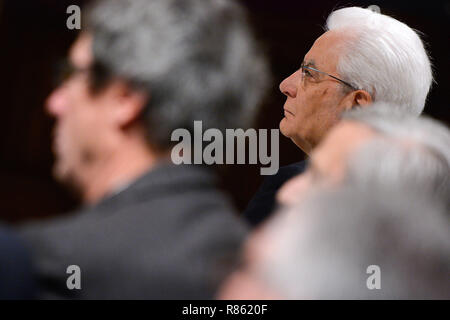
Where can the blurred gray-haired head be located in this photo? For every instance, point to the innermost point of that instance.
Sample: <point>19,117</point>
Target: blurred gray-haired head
<point>196,59</point>
<point>408,152</point>
<point>326,246</point>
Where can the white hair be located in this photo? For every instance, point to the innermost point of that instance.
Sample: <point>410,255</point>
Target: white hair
<point>383,56</point>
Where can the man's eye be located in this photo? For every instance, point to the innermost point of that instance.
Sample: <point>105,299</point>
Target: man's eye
<point>306,73</point>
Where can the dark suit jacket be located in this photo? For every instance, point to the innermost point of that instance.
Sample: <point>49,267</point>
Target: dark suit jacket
<point>169,235</point>
<point>263,202</point>
<point>16,276</point>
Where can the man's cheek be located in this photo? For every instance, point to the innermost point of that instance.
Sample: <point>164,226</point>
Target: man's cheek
<point>85,124</point>
<point>301,122</point>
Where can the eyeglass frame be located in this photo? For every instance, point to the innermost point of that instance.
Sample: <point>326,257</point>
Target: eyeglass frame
<point>334,77</point>
<point>64,70</point>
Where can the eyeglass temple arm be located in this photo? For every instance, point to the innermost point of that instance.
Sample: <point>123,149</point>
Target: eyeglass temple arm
<point>336,78</point>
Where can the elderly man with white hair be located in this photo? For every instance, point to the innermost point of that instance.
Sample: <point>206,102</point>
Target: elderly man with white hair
<point>363,57</point>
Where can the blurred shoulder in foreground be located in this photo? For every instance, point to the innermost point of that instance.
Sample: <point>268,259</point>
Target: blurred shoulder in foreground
<point>16,270</point>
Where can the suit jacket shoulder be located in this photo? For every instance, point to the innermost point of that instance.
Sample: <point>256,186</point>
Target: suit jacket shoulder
<point>169,235</point>
<point>263,202</point>
<point>16,270</point>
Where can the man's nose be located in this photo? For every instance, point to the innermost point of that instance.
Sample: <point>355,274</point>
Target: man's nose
<point>289,86</point>
<point>56,102</point>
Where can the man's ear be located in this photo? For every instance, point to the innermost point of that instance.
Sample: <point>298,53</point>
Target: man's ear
<point>362,98</point>
<point>358,98</point>
<point>129,104</point>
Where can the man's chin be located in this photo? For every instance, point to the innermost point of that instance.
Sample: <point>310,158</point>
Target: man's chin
<point>59,172</point>
<point>289,132</point>
<point>65,177</point>
<point>284,127</point>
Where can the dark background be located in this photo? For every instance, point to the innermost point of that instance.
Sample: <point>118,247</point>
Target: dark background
<point>33,36</point>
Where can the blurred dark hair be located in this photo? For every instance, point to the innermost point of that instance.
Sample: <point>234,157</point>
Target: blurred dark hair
<point>196,59</point>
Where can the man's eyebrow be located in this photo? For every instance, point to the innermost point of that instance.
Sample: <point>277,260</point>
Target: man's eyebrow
<point>309,63</point>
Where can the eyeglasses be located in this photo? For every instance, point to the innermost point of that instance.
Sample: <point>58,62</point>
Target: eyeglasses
<point>98,75</point>
<point>304,73</point>
<point>64,70</point>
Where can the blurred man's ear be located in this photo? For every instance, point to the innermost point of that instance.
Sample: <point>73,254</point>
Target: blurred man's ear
<point>129,103</point>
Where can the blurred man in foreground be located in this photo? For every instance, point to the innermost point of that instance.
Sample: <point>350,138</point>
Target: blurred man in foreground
<point>363,57</point>
<point>351,243</point>
<point>149,229</point>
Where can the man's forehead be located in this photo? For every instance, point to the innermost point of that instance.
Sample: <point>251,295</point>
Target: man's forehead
<point>325,51</point>
<point>347,134</point>
<point>342,140</point>
<point>81,51</point>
